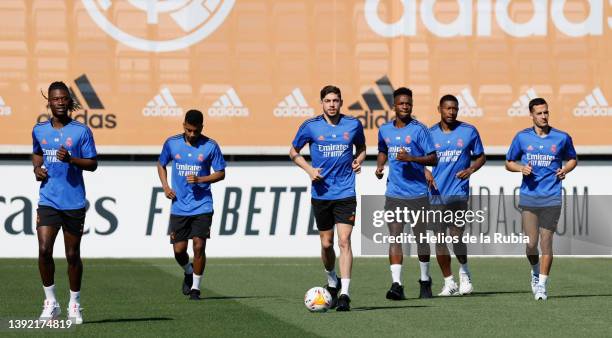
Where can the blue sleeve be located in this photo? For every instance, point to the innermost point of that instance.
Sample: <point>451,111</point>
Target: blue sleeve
<point>88,145</point>
<point>477,148</point>
<point>426,141</point>
<point>217,162</point>
<point>302,137</point>
<point>359,138</point>
<point>166,156</point>
<point>515,152</point>
<point>569,152</point>
<point>382,145</point>
<point>36,148</point>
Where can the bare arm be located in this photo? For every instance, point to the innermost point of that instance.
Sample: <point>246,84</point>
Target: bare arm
<point>431,182</point>
<point>314,173</point>
<point>477,164</point>
<point>429,159</point>
<point>516,167</point>
<point>39,172</point>
<point>163,177</point>
<point>381,160</point>
<point>569,166</point>
<point>89,164</point>
<point>212,178</point>
<point>360,156</point>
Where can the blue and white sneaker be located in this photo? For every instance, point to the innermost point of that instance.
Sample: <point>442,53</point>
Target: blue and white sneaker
<point>535,280</point>
<point>51,310</point>
<point>540,293</point>
<point>465,284</point>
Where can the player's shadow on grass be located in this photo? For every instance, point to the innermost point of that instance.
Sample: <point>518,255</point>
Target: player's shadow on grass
<point>493,293</point>
<point>124,320</point>
<point>370,308</point>
<point>582,296</point>
<point>235,297</point>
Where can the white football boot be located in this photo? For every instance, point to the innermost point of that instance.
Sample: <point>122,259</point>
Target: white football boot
<point>465,284</point>
<point>75,313</point>
<point>449,289</point>
<point>51,310</point>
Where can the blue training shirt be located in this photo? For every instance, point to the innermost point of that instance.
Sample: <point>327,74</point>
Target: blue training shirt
<point>545,154</point>
<point>191,199</point>
<point>331,149</point>
<point>64,188</point>
<point>406,180</point>
<point>455,150</point>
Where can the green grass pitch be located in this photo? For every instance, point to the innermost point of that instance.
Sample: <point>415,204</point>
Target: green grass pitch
<point>263,298</point>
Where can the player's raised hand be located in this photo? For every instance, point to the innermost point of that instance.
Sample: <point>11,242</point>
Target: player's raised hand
<point>315,174</point>
<point>63,154</point>
<point>40,173</point>
<point>465,174</point>
<point>430,179</point>
<point>356,166</point>
<point>192,179</point>
<point>170,194</point>
<point>380,172</point>
<point>403,156</point>
<point>560,174</point>
<point>526,170</point>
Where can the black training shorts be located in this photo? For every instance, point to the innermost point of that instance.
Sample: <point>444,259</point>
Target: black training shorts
<point>72,221</point>
<point>183,228</point>
<point>327,213</point>
<point>548,217</point>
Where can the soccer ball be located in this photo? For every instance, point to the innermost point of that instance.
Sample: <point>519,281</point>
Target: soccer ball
<point>317,299</point>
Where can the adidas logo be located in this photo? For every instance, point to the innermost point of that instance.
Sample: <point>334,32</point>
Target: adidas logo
<point>293,105</point>
<point>594,104</point>
<point>467,104</point>
<point>4,109</point>
<point>92,102</point>
<point>520,107</point>
<point>162,104</point>
<point>368,116</point>
<point>228,105</point>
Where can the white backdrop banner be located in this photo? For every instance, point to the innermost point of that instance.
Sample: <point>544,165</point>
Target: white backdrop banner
<point>261,209</point>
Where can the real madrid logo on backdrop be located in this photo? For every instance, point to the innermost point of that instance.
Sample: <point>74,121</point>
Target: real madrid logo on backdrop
<point>180,23</point>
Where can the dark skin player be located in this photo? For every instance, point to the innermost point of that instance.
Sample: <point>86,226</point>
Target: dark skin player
<point>61,104</point>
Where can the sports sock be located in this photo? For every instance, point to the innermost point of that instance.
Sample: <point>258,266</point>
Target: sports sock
<point>396,273</point>
<point>332,279</point>
<point>424,271</point>
<point>49,292</point>
<point>543,280</point>
<point>463,268</point>
<point>535,269</point>
<point>188,268</point>
<point>75,297</point>
<point>346,282</point>
<point>449,280</point>
<point>196,282</point>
